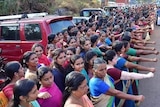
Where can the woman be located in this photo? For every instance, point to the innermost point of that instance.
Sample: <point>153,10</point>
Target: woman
<point>30,62</point>
<point>75,91</point>
<point>58,69</point>
<point>39,50</point>
<point>25,97</point>
<point>14,72</point>
<point>72,41</point>
<point>47,85</point>
<point>102,87</point>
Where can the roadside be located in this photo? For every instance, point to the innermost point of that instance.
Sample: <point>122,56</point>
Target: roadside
<point>150,88</point>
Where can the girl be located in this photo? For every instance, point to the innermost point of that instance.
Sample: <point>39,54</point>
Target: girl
<point>47,85</point>
<point>77,64</point>
<point>14,72</point>
<point>75,91</point>
<point>102,87</point>
<point>58,69</point>
<point>25,97</point>
<point>85,45</point>
<point>39,50</point>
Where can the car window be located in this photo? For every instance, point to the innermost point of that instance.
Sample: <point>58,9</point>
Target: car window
<point>60,25</point>
<point>10,32</point>
<point>86,13</point>
<point>33,32</point>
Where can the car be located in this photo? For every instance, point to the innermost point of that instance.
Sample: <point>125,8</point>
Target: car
<point>79,19</point>
<point>17,35</point>
<point>87,12</point>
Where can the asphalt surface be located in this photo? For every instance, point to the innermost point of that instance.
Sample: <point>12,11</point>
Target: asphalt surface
<point>150,88</point>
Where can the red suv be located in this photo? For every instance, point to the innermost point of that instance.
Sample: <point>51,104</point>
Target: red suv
<point>17,36</point>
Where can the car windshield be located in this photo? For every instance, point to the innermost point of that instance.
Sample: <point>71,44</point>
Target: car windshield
<point>60,25</point>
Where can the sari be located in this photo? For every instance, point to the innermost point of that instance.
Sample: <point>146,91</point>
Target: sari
<point>104,100</point>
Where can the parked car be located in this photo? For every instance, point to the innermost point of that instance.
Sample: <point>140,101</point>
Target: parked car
<point>18,35</point>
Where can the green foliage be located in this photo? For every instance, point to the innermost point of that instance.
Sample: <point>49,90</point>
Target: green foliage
<point>20,6</point>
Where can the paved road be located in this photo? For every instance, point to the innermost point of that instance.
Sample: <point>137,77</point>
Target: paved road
<point>150,88</point>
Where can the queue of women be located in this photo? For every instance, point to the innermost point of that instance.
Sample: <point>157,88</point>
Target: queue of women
<point>92,64</point>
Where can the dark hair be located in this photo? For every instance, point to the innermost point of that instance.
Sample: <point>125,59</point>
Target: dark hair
<point>72,61</point>
<point>126,38</point>
<point>42,71</point>
<point>102,32</point>
<point>22,88</point>
<point>125,43</point>
<point>70,38</point>
<point>58,33</point>
<point>71,49</point>
<point>74,58</point>
<point>37,45</point>
<point>64,31</point>
<point>86,29</point>
<point>82,40</point>
<point>10,68</point>
<point>56,54</point>
<point>72,82</point>
<point>117,46</point>
<point>88,56</point>
<point>98,61</point>
<point>129,29</point>
<point>49,46</point>
<point>69,28</point>
<point>109,55</point>
<point>94,38</point>
<point>25,58</point>
<point>51,38</point>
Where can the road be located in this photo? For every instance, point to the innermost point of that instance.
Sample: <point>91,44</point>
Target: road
<point>150,88</point>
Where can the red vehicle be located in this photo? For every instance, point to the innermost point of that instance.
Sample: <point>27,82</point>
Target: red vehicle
<point>17,36</point>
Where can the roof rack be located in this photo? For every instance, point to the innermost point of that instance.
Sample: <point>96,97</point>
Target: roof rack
<point>20,16</point>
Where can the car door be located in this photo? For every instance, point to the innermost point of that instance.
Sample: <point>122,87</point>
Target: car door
<point>10,41</point>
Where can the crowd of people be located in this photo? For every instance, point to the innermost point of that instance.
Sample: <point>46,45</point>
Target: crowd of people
<point>92,64</point>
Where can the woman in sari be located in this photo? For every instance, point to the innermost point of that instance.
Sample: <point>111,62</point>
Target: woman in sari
<point>102,87</point>
<point>75,91</point>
